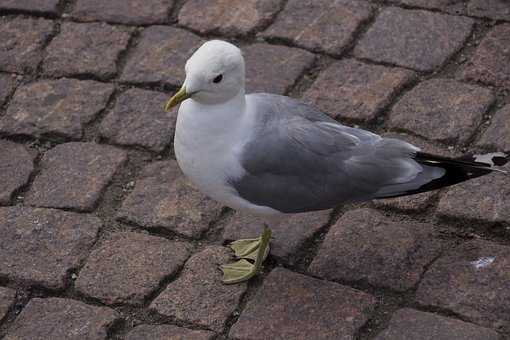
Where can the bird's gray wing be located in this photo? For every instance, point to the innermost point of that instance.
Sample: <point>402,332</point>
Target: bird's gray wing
<point>301,160</point>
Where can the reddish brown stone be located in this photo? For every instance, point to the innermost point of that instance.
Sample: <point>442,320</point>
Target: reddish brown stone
<point>492,9</point>
<point>133,12</point>
<point>22,42</point>
<point>73,175</point>
<point>472,281</point>
<point>55,107</point>
<point>167,332</point>
<point>451,6</point>
<point>198,296</point>
<point>160,56</point>
<point>138,119</point>
<point>326,26</point>
<point>442,110</point>
<point>7,85</point>
<point>497,134</point>
<point>354,90</point>
<point>417,202</point>
<point>491,59</point>
<point>164,198</point>
<point>113,275</point>
<point>7,297</point>
<point>288,235</point>
<point>294,306</point>
<point>420,40</point>
<point>227,17</point>
<point>55,318</point>
<point>41,6</point>
<point>366,245</point>
<point>16,165</point>
<point>484,198</point>
<point>409,324</point>
<point>83,49</point>
<point>264,61</point>
<point>41,246</point>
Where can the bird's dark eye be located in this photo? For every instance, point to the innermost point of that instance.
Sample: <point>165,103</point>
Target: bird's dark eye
<point>218,78</point>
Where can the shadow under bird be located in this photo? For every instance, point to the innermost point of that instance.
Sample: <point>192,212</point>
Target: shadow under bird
<point>272,155</point>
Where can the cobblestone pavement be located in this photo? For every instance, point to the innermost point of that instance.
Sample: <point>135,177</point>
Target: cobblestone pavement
<point>103,238</point>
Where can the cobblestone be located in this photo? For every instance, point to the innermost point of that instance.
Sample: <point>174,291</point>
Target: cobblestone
<point>16,165</point>
<point>22,43</point>
<point>497,133</point>
<point>411,324</point>
<point>113,275</point>
<point>7,85</point>
<point>83,49</point>
<point>198,296</point>
<point>264,60</point>
<point>288,236</point>
<point>164,198</point>
<point>228,17</point>
<point>167,332</point>
<point>451,6</point>
<point>73,175</point>
<point>41,6</point>
<point>442,109</point>
<point>56,318</point>
<point>490,61</point>
<point>138,119</point>
<point>160,56</point>
<point>52,243</point>
<point>323,25</point>
<point>294,306</point>
<point>132,12</point>
<point>354,90</point>
<point>55,107</point>
<point>417,39</point>
<point>7,297</point>
<point>492,9</point>
<point>366,245</point>
<point>471,280</point>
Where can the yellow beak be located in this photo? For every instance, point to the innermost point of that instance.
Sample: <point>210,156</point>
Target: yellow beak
<point>180,96</point>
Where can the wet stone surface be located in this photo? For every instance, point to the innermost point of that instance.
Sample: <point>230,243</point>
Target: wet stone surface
<point>128,267</point>
<point>167,332</point>
<point>85,49</point>
<point>264,60</point>
<point>58,108</point>
<point>138,119</point>
<point>442,110</point>
<point>22,43</point>
<point>7,297</point>
<point>294,306</point>
<point>164,198</point>
<point>471,280</point>
<point>52,242</point>
<point>288,235</point>
<point>355,90</point>
<point>489,63</point>
<point>16,165</point>
<point>366,245</point>
<point>56,318</point>
<point>408,324</point>
<point>132,12</point>
<point>228,17</point>
<point>416,39</point>
<point>198,296</point>
<point>325,26</point>
<point>73,175</point>
<point>160,55</point>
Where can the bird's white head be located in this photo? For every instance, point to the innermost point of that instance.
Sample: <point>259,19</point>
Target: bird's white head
<point>214,74</point>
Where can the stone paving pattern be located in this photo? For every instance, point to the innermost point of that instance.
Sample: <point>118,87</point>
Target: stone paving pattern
<point>104,238</point>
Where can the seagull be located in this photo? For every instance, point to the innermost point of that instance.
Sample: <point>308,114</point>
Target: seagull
<point>272,155</point>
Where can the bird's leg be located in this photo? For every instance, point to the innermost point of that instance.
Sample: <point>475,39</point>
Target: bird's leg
<point>255,249</point>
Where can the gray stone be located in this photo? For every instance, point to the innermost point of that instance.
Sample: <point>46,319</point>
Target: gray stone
<point>16,165</point>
